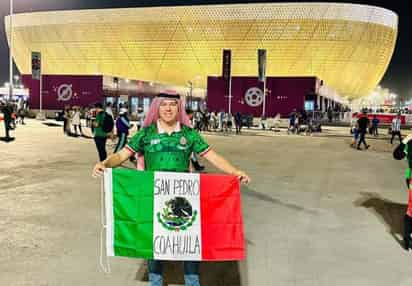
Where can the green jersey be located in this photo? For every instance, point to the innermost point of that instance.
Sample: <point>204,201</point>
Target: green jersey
<point>98,131</point>
<point>164,152</point>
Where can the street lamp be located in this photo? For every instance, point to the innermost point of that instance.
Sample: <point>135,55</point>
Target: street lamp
<point>11,52</point>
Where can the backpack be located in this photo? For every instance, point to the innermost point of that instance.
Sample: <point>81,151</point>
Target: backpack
<point>108,123</point>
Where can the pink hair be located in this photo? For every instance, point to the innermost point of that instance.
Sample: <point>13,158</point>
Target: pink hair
<point>153,114</point>
<point>152,117</point>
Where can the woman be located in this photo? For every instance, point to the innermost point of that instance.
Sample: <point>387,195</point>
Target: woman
<point>76,121</point>
<point>67,120</point>
<point>122,127</point>
<point>354,130</point>
<point>167,142</point>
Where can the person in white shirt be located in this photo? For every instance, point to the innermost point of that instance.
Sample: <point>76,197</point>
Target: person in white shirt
<point>109,109</point>
<point>76,120</point>
<point>220,119</point>
<point>396,128</point>
<point>214,121</point>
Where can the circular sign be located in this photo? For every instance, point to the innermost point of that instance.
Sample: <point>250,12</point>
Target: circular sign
<point>254,96</point>
<point>64,92</point>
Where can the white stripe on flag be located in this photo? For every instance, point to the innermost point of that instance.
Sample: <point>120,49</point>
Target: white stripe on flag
<point>108,191</point>
<point>176,216</point>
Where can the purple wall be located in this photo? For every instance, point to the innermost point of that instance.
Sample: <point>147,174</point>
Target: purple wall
<point>74,90</point>
<point>285,94</point>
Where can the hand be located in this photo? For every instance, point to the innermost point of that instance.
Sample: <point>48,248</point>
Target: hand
<point>407,139</point>
<point>243,177</point>
<point>98,170</point>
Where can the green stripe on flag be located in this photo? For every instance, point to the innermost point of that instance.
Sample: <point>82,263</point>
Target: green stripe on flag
<point>133,213</point>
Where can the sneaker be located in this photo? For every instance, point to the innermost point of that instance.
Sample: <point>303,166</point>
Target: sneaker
<point>367,146</point>
<point>358,148</point>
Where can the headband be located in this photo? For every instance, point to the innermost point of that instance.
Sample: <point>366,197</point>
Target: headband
<point>167,95</point>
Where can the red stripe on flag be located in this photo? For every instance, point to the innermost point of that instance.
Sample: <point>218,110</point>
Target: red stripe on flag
<point>221,215</point>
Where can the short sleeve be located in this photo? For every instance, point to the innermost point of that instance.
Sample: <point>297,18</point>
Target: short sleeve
<point>200,146</point>
<point>135,144</point>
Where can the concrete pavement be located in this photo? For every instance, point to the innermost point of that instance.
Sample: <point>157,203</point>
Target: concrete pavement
<point>317,213</point>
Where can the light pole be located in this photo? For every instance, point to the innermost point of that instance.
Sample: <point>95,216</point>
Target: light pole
<point>11,52</point>
<point>190,94</point>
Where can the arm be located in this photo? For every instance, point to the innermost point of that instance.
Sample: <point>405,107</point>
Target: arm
<point>112,161</point>
<point>222,164</point>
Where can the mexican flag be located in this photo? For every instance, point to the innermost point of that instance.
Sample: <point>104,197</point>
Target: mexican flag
<point>173,216</point>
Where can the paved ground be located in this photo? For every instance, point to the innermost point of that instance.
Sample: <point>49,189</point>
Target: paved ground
<point>317,213</point>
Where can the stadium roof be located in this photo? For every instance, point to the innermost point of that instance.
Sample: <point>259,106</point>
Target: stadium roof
<point>348,46</point>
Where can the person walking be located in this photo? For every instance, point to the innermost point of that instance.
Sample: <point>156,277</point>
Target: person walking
<point>396,128</point>
<point>109,109</point>
<point>140,118</point>
<point>66,120</point>
<point>122,127</point>
<point>214,121</point>
<point>263,122</point>
<point>76,122</point>
<point>362,126</point>
<point>297,122</point>
<point>330,114</point>
<point>238,122</point>
<point>100,136</point>
<point>7,111</point>
<point>22,115</point>
<point>354,130</point>
<point>88,116</point>
<point>292,119</point>
<point>229,121</point>
<point>166,142</point>
<point>221,119</point>
<point>375,126</point>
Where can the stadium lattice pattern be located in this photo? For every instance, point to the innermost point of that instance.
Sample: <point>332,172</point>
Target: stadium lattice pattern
<point>348,46</point>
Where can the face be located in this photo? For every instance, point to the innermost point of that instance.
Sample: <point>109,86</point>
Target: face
<point>168,110</point>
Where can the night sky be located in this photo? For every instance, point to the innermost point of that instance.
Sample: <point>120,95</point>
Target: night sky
<point>397,77</point>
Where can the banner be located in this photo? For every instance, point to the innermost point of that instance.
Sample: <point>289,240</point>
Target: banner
<point>226,65</point>
<point>262,64</point>
<point>35,65</point>
<point>173,216</point>
<point>61,90</point>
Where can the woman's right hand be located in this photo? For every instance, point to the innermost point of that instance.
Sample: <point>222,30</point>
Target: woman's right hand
<point>98,170</point>
<point>407,139</point>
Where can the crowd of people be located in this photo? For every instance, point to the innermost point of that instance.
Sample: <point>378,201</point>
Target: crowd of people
<point>301,122</point>
<point>362,125</point>
<point>14,113</point>
<point>220,121</point>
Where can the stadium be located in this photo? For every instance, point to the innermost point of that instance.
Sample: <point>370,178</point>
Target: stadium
<point>347,46</point>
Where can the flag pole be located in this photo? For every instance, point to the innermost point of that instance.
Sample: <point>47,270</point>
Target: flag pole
<point>264,96</point>
<point>262,75</point>
<point>41,95</point>
<point>230,94</point>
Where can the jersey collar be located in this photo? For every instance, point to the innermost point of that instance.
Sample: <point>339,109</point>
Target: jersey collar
<point>160,130</point>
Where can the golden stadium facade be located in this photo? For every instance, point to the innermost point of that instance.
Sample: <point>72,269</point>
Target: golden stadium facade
<point>348,46</point>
